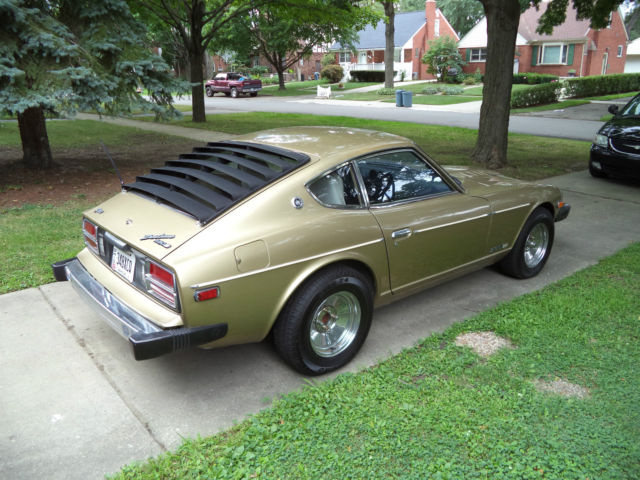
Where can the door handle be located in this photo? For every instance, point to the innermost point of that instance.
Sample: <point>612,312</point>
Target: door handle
<point>405,232</point>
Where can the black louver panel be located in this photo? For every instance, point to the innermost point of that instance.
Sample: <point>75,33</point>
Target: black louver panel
<point>211,179</point>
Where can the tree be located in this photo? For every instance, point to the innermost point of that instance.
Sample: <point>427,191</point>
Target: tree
<point>503,17</point>
<point>389,42</point>
<point>57,56</point>
<point>286,33</point>
<point>197,23</point>
<point>442,56</point>
<point>461,14</point>
<point>631,21</point>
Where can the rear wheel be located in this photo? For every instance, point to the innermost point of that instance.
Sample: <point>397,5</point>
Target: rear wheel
<point>254,94</point>
<point>533,246</point>
<point>234,93</point>
<point>326,321</point>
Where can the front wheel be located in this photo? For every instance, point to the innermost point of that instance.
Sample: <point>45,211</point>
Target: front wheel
<point>234,93</point>
<point>209,91</point>
<point>326,321</point>
<point>533,246</point>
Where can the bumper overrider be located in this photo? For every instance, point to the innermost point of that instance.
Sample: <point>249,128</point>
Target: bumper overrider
<point>562,212</point>
<point>146,338</point>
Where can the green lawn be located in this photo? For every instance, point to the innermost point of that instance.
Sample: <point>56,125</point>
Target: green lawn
<point>440,411</point>
<point>448,145</point>
<point>308,88</point>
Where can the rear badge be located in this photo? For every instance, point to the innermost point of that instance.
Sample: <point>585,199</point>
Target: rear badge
<point>159,239</point>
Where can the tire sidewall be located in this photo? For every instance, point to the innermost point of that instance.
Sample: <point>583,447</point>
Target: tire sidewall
<point>209,92</point>
<point>310,358</point>
<point>543,216</point>
<point>234,93</point>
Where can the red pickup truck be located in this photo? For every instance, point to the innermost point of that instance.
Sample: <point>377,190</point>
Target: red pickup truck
<point>232,84</point>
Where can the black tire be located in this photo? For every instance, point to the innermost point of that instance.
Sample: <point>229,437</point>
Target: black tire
<point>254,94</point>
<point>532,248</point>
<point>338,301</point>
<point>209,92</point>
<point>234,93</point>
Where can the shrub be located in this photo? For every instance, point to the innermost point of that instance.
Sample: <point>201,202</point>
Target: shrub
<point>328,59</point>
<point>602,84</point>
<point>333,73</point>
<point>368,75</point>
<point>386,91</point>
<point>469,80</point>
<point>536,95</point>
<point>442,57</point>
<point>534,78</point>
<point>258,71</point>
<point>453,90</point>
<point>430,90</point>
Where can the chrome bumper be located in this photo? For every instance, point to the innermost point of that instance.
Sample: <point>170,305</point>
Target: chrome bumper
<point>146,338</point>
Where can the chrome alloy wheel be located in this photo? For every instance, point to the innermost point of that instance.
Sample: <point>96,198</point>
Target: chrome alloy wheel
<point>535,248</point>
<point>334,324</point>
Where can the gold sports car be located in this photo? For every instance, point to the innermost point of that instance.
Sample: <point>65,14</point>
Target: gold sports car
<point>300,232</point>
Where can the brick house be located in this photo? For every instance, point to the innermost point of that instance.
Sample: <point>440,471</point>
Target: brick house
<point>413,31</point>
<point>573,48</point>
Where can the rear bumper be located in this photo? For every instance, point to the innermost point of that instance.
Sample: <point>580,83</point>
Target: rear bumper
<point>146,338</point>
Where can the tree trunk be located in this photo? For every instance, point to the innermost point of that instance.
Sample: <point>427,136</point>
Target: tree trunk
<point>503,17</point>
<point>35,141</point>
<point>389,46</point>
<point>280,71</point>
<point>197,89</point>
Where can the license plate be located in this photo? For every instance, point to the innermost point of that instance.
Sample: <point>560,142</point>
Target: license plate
<point>123,263</point>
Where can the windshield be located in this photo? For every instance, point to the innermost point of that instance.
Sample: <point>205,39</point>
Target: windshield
<point>631,109</point>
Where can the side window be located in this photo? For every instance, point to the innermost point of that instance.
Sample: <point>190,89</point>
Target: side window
<point>336,188</point>
<point>398,176</point>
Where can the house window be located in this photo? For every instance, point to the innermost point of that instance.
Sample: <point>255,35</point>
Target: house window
<point>478,55</point>
<point>436,27</point>
<point>553,54</point>
<point>345,57</point>
<point>619,50</point>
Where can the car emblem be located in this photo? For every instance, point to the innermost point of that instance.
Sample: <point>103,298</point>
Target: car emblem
<point>161,236</point>
<point>297,203</point>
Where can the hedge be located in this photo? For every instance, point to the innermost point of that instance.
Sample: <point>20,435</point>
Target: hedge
<point>536,95</point>
<point>602,84</point>
<point>368,75</point>
<point>534,78</point>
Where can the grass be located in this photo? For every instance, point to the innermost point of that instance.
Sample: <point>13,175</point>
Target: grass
<point>448,145</point>
<point>25,230</point>
<point>440,411</point>
<point>308,88</point>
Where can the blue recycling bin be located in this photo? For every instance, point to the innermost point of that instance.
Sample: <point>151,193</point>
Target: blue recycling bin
<point>407,99</point>
<point>399,98</point>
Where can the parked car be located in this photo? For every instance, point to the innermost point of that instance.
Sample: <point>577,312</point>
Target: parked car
<point>232,84</point>
<point>300,232</point>
<point>616,147</point>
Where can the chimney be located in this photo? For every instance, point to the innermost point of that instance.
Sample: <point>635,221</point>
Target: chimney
<point>432,20</point>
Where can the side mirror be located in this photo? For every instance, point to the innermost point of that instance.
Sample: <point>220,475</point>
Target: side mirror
<point>613,109</point>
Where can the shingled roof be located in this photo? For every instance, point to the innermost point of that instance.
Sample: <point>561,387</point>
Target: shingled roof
<point>407,25</point>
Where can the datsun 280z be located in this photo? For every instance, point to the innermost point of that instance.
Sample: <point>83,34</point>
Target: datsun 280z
<point>301,233</point>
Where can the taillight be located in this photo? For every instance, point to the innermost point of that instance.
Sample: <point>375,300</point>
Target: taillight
<point>160,283</point>
<point>90,232</point>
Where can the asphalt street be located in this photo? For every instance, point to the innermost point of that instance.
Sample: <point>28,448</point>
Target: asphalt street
<point>76,405</point>
<point>582,126</point>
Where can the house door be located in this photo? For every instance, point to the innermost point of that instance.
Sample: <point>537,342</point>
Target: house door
<point>605,60</point>
<point>362,57</point>
<point>516,65</point>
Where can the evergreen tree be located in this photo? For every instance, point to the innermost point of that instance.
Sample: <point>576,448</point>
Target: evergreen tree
<point>60,56</point>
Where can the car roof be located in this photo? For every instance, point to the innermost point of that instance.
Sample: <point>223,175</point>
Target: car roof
<point>328,145</point>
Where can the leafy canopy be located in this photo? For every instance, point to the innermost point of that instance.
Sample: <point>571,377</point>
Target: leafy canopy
<point>443,55</point>
<point>65,55</point>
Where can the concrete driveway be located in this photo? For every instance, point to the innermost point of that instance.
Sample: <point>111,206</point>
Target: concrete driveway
<point>75,405</point>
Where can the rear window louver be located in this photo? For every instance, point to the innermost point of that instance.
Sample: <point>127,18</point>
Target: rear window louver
<point>211,179</point>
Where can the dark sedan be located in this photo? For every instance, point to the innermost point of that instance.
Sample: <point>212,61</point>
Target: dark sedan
<point>616,148</point>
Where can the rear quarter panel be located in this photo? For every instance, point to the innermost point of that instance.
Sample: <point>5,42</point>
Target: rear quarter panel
<point>259,253</point>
